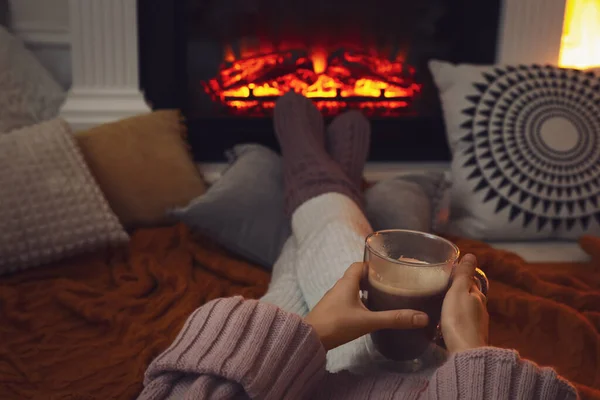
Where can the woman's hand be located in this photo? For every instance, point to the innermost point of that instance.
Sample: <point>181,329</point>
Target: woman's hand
<point>341,316</point>
<point>464,314</point>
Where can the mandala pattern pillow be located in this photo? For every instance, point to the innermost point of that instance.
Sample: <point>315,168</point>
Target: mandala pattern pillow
<point>526,150</point>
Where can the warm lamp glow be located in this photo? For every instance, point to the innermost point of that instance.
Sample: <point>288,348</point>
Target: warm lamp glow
<point>580,46</point>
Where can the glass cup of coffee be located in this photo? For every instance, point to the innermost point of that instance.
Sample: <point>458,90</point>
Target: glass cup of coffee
<point>407,270</point>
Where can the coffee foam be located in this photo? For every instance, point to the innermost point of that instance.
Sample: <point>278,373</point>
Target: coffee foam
<point>410,281</point>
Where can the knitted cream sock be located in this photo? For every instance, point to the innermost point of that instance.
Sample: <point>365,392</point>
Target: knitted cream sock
<point>348,140</point>
<point>308,169</point>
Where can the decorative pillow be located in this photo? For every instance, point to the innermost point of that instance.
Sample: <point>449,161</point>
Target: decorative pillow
<point>50,206</point>
<point>243,210</point>
<point>143,166</point>
<point>410,201</point>
<point>526,150</point>
<point>28,93</point>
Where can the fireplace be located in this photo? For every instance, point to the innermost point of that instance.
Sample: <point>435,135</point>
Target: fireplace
<point>249,84</point>
<point>225,63</point>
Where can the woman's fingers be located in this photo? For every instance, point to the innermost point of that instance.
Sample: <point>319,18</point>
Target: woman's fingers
<point>355,271</point>
<point>353,276</point>
<point>396,319</point>
<point>463,273</point>
<point>478,293</point>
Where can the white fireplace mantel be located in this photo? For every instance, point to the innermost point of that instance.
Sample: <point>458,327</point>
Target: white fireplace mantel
<point>104,61</point>
<point>105,53</point>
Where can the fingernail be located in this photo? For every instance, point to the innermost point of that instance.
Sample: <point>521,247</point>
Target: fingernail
<point>420,319</point>
<point>469,258</point>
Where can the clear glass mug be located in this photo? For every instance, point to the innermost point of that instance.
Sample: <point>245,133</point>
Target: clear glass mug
<point>409,270</point>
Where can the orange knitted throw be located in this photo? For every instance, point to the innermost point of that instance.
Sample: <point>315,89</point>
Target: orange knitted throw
<point>89,327</point>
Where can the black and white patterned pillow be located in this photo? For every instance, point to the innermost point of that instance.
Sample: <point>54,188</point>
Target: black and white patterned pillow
<point>526,150</point>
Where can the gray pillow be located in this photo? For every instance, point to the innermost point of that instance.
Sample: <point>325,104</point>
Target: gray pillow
<point>50,206</point>
<point>243,210</point>
<point>416,201</point>
<point>526,150</point>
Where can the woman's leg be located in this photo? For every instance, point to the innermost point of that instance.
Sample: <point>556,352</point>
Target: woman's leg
<point>325,204</point>
<point>284,290</point>
<point>330,231</point>
<point>347,141</point>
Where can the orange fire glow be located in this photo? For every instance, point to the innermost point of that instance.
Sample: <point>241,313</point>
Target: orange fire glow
<point>334,81</point>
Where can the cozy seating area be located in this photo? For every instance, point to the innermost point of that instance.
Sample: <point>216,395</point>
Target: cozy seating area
<point>145,180</point>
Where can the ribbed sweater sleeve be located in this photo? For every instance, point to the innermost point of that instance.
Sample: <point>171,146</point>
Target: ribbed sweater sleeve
<point>492,373</point>
<point>240,348</point>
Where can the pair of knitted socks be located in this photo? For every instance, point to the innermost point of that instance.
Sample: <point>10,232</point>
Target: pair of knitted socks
<point>318,160</point>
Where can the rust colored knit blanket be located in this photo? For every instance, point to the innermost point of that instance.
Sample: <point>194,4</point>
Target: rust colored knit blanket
<point>549,312</point>
<point>89,327</point>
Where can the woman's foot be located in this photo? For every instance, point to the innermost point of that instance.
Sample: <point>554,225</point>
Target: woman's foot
<point>308,170</point>
<point>348,141</point>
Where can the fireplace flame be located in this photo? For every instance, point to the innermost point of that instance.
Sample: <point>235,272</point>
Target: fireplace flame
<point>334,81</point>
<point>580,45</point>
<point>319,60</point>
<point>228,54</point>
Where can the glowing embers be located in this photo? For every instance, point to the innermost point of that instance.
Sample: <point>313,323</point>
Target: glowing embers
<point>337,81</point>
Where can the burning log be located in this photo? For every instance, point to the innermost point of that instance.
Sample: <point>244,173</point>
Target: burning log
<point>261,69</point>
<point>355,70</point>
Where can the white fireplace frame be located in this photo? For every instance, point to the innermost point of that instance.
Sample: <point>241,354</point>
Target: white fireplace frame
<point>104,58</point>
<point>104,63</point>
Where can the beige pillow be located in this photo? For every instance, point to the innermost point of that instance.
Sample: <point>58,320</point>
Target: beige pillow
<point>50,206</point>
<point>143,166</point>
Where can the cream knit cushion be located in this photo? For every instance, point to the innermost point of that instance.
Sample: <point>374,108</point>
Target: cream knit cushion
<point>50,206</point>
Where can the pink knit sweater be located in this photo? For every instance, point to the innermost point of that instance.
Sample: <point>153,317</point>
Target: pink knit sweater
<point>238,349</point>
